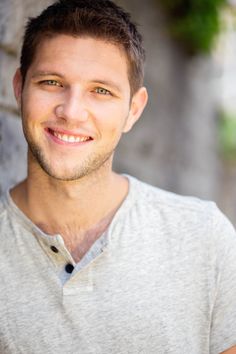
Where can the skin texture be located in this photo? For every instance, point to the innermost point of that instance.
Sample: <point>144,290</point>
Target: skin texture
<point>76,87</point>
<point>73,101</point>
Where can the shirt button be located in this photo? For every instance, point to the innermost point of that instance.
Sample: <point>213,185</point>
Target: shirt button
<point>54,249</point>
<point>69,268</point>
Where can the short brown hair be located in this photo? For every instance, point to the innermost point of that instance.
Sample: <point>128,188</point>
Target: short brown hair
<point>101,19</point>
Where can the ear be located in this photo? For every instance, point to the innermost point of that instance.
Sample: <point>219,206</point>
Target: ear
<point>138,103</point>
<point>17,86</point>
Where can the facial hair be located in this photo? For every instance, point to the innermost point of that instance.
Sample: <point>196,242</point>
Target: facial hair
<point>92,164</point>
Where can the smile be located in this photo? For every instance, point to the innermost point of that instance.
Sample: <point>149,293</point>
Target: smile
<point>69,138</point>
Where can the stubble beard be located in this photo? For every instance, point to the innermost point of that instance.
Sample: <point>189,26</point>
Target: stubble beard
<point>92,164</point>
<point>88,167</point>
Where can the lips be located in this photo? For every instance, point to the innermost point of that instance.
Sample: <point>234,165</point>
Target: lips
<point>68,138</point>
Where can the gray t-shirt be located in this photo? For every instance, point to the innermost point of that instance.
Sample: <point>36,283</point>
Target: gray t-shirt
<point>161,280</point>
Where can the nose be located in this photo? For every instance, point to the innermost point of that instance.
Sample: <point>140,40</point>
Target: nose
<point>72,107</point>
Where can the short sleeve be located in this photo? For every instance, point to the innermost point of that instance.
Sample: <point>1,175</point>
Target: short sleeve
<point>223,326</point>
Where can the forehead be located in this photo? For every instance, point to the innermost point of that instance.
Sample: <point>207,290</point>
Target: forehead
<point>84,54</point>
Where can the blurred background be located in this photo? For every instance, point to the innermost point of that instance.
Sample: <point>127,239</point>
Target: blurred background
<point>186,140</point>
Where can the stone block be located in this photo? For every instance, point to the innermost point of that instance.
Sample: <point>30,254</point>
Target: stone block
<point>13,16</point>
<point>13,151</point>
<point>8,65</point>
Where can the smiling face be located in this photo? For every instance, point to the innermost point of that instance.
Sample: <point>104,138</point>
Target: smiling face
<point>76,104</point>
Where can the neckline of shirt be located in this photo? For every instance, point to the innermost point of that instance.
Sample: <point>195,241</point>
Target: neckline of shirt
<point>54,239</point>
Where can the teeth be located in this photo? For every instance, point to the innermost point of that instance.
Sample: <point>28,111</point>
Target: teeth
<point>70,138</point>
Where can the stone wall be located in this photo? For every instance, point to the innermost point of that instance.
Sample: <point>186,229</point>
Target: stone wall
<point>174,145</point>
<point>13,14</point>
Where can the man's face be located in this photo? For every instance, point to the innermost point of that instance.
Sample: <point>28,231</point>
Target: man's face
<point>75,105</point>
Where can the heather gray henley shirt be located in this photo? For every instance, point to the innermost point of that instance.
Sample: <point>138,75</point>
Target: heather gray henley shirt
<point>162,280</point>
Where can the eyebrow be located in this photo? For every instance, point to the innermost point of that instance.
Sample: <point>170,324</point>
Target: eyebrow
<point>109,83</point>
<point>46,73</point>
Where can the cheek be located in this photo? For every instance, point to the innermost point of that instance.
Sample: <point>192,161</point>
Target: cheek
<point>112,126</point>
<point>30,114</point>
<point>110,116</point>
<point>35,107</point>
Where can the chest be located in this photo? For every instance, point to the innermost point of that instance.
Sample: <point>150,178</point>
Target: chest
<point>117,304</point>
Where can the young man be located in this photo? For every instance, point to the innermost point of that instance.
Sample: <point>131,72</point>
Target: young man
<point>92,261</point>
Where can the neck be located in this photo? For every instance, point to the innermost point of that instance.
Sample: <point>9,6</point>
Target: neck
<point>70,208</point>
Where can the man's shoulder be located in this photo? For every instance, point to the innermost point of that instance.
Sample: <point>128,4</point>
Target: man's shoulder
<point>161,198</point>
<point>181,214</point>
<point>4,217</point>
<point>6,214</point>
<point>2,205</point>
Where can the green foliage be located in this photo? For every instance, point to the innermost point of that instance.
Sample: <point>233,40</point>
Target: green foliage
<point>194,23</point>
<point>227,130</point>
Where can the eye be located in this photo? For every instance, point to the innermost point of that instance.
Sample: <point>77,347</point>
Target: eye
<point>51,83</point>
<point>102,91</point>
